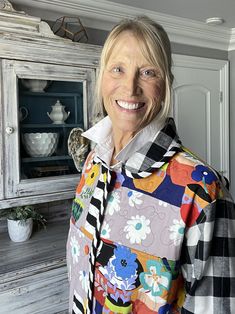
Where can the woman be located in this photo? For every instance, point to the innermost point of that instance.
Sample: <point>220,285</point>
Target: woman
<point>151,228</point>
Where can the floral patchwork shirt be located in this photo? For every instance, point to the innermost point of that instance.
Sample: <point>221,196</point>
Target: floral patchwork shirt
<point>161,239</point>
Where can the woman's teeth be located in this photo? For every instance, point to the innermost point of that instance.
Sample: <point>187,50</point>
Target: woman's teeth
<point>130,106</point>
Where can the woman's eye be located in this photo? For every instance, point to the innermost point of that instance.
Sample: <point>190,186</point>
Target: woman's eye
<point>116,70</point>
<point>148,73</point>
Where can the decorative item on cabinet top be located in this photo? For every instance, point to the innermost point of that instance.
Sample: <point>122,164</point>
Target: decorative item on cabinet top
<point>58,115</point>
<point>70,27</point>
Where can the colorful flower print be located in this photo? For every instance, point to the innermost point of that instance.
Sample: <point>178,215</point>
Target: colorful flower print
<point>202,173</point>
<point>157,280</point>
<point>165,309</point>
<point>180,173</point>
<point>87,193</point>
<point>75,249</point>
<point>150,183</point>
<point>119,180</point>
<point>100,284</point>
<point>80,185</point>
<point>177,231</point>
<point>191,207</point>
<point>89,162</point>
<point>92,175</point>
<point>124,262</point>
<point>134,198</point>
<point>105,177</point>
<point>105,231</point>
<point>161,203</point>
<point>77,208</point>
<point>83,277</point>
<point>137,229</point>
<point>113,204</point>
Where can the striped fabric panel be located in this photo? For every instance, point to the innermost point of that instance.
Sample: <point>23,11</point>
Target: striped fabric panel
<point>77,304</point>
<point>96,218</point>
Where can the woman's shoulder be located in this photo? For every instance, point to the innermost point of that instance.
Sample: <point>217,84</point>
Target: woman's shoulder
<point>188,170</point>
<point>187,158</point>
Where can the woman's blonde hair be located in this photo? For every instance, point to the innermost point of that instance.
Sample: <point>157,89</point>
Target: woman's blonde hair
<point>156,48</point>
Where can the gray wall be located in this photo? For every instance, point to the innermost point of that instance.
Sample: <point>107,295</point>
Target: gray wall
<point>199,51</point>
<point>97,37</point>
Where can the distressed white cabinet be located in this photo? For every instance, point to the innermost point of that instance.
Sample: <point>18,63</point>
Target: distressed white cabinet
<point>30,51</point>
<point>26,174</point>
<point>33,275</point>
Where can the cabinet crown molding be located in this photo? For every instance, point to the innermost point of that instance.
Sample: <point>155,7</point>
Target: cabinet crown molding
<point>12,21</point>
<point>18,29</point>
<point>104,14</point>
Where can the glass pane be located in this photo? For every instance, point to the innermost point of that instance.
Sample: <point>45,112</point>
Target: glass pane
<point>48,111</point>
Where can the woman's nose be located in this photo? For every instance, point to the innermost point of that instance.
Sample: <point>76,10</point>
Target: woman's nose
<point>132,85</point>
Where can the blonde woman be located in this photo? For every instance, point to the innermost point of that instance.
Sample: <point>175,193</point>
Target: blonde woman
<point>152,227</point>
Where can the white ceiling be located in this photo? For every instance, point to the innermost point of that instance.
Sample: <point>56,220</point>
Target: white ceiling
<point>198,10</point>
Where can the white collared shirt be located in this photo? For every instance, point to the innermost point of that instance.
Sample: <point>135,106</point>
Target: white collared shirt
<point>102,135</point>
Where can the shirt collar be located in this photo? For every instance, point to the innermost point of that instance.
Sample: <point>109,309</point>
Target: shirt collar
<point>101,134</point>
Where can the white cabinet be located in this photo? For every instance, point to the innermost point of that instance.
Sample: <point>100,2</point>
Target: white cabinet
<point>32,172</point>
<point>33,275</point>
<point>30,51</point>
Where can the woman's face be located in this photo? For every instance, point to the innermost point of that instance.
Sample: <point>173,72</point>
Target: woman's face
<point>132,89</point>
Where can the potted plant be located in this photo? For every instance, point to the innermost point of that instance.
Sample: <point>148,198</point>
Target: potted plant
<point>20,221</point>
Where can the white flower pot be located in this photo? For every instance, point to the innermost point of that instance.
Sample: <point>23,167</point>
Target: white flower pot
<point>20,230</point>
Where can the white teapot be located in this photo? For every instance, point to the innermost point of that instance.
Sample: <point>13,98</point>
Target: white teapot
<point>58,115</point>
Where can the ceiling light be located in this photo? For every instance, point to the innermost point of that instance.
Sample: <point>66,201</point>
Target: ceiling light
<point>214,21</point>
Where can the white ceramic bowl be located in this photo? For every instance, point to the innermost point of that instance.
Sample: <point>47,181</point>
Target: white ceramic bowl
<point>40,144</point>
<point>35,85</point>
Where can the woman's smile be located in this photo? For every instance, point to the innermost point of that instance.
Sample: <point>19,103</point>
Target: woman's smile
<point>130,105</point>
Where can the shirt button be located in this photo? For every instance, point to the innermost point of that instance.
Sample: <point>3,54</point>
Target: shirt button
<point>86,249</point>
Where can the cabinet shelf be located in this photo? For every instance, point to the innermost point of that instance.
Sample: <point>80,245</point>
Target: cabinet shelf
<point>50,94</point>
<point>50,158</point>
<point>51,125</point>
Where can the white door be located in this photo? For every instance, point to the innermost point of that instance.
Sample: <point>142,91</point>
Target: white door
<point>1,143</point>
<point>200,108</point>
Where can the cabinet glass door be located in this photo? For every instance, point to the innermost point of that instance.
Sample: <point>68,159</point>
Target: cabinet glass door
<point>43,106</point>
<point>48,111</point>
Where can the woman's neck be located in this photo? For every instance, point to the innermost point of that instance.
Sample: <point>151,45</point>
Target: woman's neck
<point>120,139</point>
